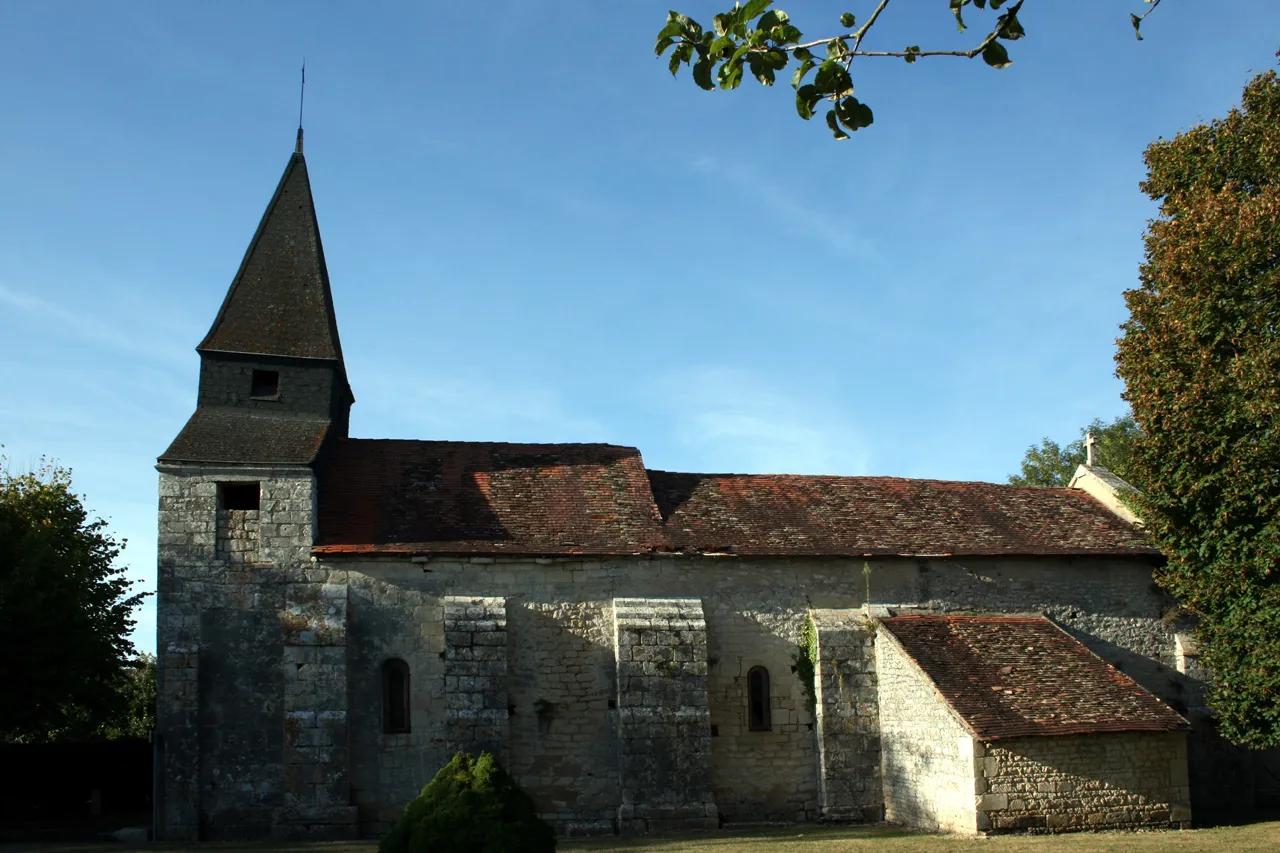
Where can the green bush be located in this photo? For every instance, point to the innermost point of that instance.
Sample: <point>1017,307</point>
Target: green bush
<point>472,806</point>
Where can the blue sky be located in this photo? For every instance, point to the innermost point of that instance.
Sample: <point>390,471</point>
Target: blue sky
<point>535,234</point>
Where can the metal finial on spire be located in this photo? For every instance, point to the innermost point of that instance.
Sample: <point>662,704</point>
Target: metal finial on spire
<point>302,94</point>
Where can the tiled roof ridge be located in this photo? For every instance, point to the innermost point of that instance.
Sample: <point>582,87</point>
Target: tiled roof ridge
<point>865,478</point>
<point>332,347</point>
<point>478,444</point>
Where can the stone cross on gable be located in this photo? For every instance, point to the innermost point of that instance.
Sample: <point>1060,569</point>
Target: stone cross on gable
<point>1089,442</point>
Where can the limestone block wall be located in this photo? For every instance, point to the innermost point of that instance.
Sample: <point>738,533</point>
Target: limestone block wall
<point>664,733</point>
<point>563,733</point>
<point>848,717</point>
<point>564,717</point>
<point>391,616</point>
<point>475,675</point>
<point>927,753</point>
<point>1112,780</point>
<point>220,643</point>
<point>237,536</point>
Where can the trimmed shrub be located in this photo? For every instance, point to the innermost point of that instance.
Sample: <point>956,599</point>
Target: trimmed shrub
<point>472,806</point>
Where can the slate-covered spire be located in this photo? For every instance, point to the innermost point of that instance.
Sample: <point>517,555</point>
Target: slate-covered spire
<point>279,302</point>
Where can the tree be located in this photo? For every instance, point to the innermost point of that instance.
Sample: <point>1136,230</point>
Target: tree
<point>65,611</point>
<point>1053,465</point>
<point>765,41</point>
<point>1200,357</point>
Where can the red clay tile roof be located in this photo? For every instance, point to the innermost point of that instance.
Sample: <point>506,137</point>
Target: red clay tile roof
<point>778,514</point>
<point>483,498</point>
<point>279,302</point>
<point>223,434</point>
<point>1009,676</point>
<point>434,497</point>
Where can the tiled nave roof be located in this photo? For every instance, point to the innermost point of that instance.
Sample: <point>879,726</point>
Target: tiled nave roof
<point>438,497</point>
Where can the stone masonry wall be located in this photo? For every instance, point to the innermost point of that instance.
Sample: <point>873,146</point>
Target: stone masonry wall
<point>220,642</point>
<point>475,675</point>
<point>1113,780</point>
<point>664,733</point>
<point>848,717</point>
<point>927,754</point>
<point>562,733</point>
<point>237,536</point>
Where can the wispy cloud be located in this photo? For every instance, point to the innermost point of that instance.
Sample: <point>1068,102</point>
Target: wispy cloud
<point>93,329</point>
<point>787,209</point>
<point>470,407</point>
<point>735,422</point>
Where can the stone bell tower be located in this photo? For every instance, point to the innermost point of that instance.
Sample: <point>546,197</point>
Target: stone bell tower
<point>252,660</point>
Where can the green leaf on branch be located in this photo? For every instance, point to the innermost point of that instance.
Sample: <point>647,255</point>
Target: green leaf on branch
<point>752,8</point>
<point>835,126</point>
<point>805,68</point>
<point>854,114</point>
<point>1009,27</point>
<point>760,69</point>
<point>848,20</point>
<point>833,79</point>
<point>681,54</point>
<point>837,49</point>
<point>772,19</point>
<point>1137,25</point>
<point>956,7</point>
<point>730,74</point>
<point>702,73</point>
<point>802,53</point>
<point>996,56</point>
<point>807,98</point>
<point>912,53</point>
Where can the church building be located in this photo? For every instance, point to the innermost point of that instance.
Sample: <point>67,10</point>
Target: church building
<point>644,650</point>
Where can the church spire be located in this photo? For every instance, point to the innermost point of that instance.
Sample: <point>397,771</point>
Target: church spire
<point>280,302</point>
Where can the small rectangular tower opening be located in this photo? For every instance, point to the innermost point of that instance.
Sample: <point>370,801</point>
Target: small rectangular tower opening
<point>266,385</point>
<point>240,496</point>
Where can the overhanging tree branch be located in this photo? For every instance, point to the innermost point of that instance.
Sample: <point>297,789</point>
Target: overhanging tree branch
<point>753,36</point>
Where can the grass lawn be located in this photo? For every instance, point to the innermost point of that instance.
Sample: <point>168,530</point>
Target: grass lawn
<point>1254,838</point>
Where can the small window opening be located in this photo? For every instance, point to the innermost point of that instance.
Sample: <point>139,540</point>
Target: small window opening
<point>758,700</point>
<point>395,696</point>
<point>266,385</point>
<point>238,495</point>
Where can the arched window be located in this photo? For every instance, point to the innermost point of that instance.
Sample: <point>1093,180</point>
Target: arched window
<point>758,700</point>
<point>395,696</point>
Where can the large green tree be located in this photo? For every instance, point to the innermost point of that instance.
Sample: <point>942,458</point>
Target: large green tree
<point>754,37</point>
<point>65,613</point>
<point>1051,464</point>
<point>1200,357</point>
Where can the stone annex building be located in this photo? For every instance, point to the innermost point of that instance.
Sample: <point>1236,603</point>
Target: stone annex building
<point>645,650</point>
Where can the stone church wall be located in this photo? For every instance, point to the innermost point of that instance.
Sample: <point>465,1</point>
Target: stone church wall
<point>565,742</point>
<point>223,599</point>
<point>1114,780</point>
<point>927,754</point>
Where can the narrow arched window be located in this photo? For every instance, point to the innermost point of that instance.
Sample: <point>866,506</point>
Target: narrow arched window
<point>758,700</point>
<point>395,696</point>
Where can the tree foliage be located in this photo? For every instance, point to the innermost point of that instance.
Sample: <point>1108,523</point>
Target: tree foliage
<point>1200,357</point>
<point>65,613</point>
<point>755,37</point>
<point>1050,464</point>
<point>471,806</point>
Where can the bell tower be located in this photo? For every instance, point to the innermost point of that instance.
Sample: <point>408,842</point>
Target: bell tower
<point>251,645</point>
